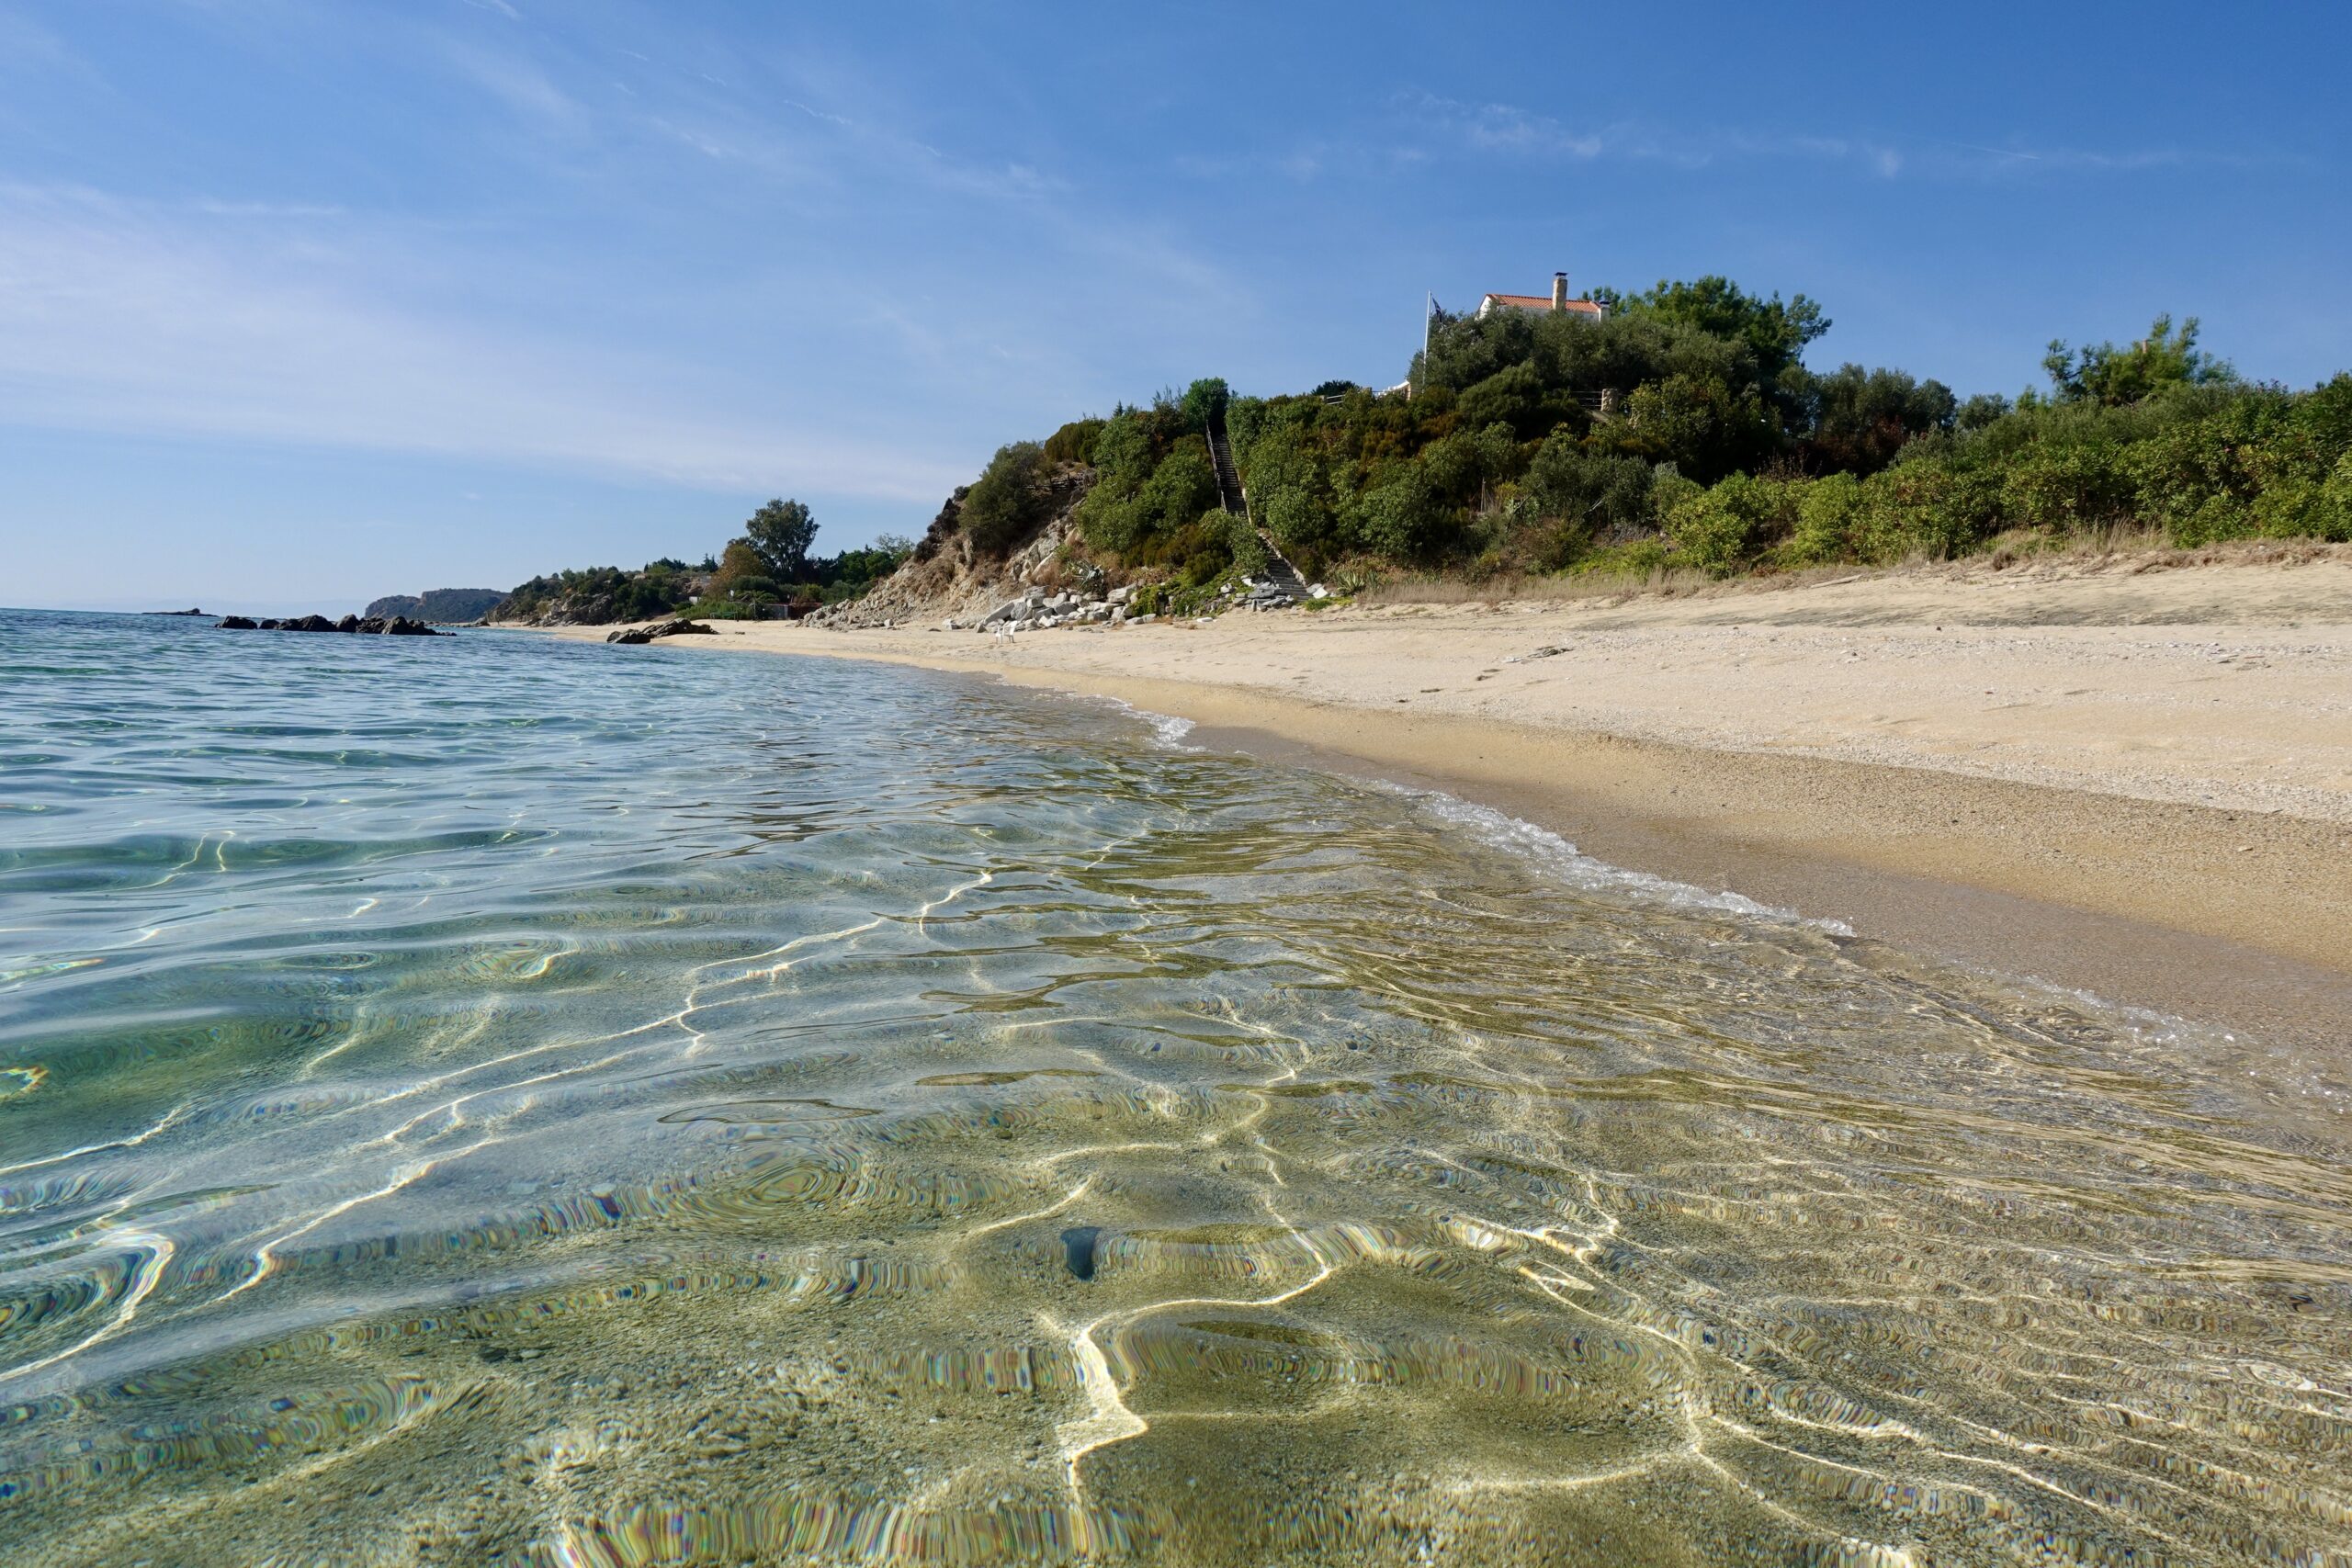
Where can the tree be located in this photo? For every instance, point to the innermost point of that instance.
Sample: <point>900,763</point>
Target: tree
<point>2116,376</point>
<point>782,532</point>
<point>1720,308</point>
<point>1862,418</point>
<point>1202,401</point>
<point>738,565</point>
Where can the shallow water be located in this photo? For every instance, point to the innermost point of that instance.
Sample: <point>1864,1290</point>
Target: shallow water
<point>503,1100</point>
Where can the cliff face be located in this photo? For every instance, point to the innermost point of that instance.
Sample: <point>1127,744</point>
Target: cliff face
<point>440,606</point>
<point>947,576</point>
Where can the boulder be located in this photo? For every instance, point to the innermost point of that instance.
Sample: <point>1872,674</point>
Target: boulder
<point>348,624</point>
<point>637,636</point>
<point>307,624</point>
<point>236,623</point>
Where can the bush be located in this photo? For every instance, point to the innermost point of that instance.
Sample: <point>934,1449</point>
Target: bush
<point>1008,501</point>
<point>1304,524</point>
<point>1074,442</point>
<point>1584,495</point>
<point>2068,489</point>
<point>1406,518</point>
<point>1829,519</point>
<point>1138,511</point>
<point>1721,529</point>
<point>1929,507</point>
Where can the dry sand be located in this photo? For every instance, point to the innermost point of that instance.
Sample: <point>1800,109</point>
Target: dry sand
<point>2111,775</point>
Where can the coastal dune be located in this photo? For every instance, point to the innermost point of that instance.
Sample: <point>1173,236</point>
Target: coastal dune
<point>2128,774</point>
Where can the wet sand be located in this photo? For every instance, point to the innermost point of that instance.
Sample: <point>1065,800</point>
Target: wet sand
<point>2133,782</point>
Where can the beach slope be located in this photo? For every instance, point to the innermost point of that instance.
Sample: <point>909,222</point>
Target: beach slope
<point>2130,774</point>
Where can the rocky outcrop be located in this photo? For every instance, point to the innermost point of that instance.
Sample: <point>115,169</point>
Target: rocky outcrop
<point>371,625</point>
<point>637,636</point>
<point>947,579</point>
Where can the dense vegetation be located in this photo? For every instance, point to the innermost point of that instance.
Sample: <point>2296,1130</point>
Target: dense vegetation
<point>768,564</point>
<point>601,593</point>
<point>1683,429</point>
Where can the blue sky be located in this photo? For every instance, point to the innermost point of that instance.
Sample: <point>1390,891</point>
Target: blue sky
<point>303,301</point>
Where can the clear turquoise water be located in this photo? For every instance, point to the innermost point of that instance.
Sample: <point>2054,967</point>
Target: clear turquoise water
<point>495,1100</point>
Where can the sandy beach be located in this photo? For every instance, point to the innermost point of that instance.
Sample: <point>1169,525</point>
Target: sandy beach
<point>2126,776</point>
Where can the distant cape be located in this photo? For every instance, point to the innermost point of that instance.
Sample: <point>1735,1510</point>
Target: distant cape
<point>442,607</point>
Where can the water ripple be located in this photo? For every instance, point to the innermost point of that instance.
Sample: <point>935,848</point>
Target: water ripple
<point>529,1103</point>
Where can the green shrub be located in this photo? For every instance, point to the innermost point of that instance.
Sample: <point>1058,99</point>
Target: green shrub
<point>1074,442</point>
<point>1202,401</point>
<point>1725,526</point>
<point>1828,518</point>
<point>1009,500</point>
<point>2069,489</point>
<point>1633,558</point>
<point>1406,518</point>
<point>1931,507</point>
<point>1582,496</point>
<point>1302,521</point>
<point>1242,544</point>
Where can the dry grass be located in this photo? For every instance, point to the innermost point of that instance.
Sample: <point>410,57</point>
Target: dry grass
<point>1588,587</point>
<point>2119,548</point>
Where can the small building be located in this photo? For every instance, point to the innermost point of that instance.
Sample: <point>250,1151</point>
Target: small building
<point>1558,301</point>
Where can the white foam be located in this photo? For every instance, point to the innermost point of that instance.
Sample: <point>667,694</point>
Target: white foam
<point>1564,861</point>
<point>1167,729</point>
<point>1526,839</point>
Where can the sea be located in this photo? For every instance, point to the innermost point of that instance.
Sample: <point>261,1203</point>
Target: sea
<point>501,1099</point>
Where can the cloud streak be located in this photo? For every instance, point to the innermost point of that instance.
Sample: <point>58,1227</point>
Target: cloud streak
<point>120,317</point>
<point>1506,130</point>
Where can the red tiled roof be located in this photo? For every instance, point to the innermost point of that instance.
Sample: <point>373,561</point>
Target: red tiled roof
<point>1542,302</point>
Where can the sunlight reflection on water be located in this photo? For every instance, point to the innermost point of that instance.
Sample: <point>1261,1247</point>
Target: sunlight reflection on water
<point>508,1101</point>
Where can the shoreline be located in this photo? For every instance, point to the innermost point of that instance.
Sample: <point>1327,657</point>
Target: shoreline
<point>2236,913</point>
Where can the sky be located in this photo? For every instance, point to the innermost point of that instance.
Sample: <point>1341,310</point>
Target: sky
<point>305,301</point>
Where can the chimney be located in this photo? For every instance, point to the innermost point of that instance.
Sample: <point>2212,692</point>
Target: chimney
<point>1559,291</point>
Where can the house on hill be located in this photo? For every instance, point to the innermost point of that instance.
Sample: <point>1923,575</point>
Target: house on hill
<point>1558,301</point>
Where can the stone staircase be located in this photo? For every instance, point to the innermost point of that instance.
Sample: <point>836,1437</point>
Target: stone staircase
<point>1279,586</point>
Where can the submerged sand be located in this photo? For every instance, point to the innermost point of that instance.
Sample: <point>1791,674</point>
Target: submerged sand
<point>2118,774</point>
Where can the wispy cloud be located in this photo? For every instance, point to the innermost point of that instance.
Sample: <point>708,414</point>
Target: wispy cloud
<point>121,316</point>
<point>1506,130</point>
<point>26,45</point>
<point>517,83</point>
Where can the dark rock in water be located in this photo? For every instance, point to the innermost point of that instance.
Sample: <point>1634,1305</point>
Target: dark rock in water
<point>1078,1250</point>
<point>637,636</point>
<point>397,626</point>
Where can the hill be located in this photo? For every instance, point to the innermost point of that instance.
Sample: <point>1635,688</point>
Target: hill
<point>1674,431</point>
<point>440,606</point>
